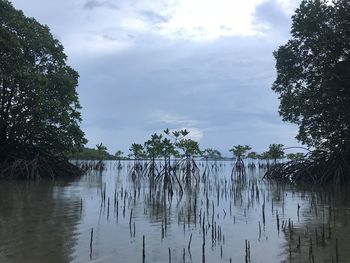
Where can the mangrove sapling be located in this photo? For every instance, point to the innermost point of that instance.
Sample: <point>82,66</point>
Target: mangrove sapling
<point>210,155</point>
<point>276,152</point>
<point>266,156</point>
<point>239,152</point>
<point>137,152</point>
<point>102,153</point>
<point>153,148</point>
<point>252,156</point>
<point>119,156</point>
<point>187,164</point>
<point>167,177</point>
<point>164,147</point>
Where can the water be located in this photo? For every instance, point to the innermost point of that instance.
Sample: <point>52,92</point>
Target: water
<point>51,221</point>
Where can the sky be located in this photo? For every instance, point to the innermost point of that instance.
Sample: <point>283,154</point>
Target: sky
<point>203,65</point>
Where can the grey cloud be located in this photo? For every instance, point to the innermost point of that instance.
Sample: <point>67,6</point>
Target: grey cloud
<point>153,17</point>
<point>92,4</point>
<point>222,87</point>
<point>272,14</point>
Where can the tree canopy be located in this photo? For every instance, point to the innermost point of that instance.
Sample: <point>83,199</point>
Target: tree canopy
<point>313,74</point>
<point>239,151</point>
<point>275,151</point>
<point>38,100</point>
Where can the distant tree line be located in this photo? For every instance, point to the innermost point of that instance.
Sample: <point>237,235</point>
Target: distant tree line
<point>159,146</point>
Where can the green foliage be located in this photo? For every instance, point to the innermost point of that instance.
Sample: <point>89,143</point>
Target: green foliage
<point>239,151</point>
<point>158,146</point>
<point>169,147</point>
<point>189,147</point>
<point>275,151</point>
<point>211,154</point>
<point>119,155</point>
<point>296,156</point>
<point>38,100</point>
<point>313,74</point>
<point>137,151</point>
<point>89,154</point>
<point>101,148</point>
<point>265,156</point>
<point>177,134</point>
<point>154,146</point>
<point>252,155</point>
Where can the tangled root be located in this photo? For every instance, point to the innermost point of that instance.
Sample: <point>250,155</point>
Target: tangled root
<point>27,162</point>
<point>317,168</point>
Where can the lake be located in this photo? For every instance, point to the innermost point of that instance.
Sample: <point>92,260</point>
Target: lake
<point>110,216</point>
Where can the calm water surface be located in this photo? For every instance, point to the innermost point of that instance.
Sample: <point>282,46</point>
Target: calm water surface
<point>52,221</point>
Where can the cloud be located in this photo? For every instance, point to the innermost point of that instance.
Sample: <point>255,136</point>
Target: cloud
<point>206,66</point>
<point>272,15</point>
<point>173,120</point>
<point>221,89</point>
<point>153,17</point>
<point>93,4</point>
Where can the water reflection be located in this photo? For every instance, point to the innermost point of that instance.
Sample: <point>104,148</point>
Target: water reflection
<point>52,221</point>
<point>38,221</point>
<point>322,232</point>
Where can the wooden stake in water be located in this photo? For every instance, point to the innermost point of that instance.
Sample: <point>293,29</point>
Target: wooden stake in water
<point>189,243</point>
<point>203,245</point>
<point>247,251</point>
<point>91,240</point>
<point>259,230</point>
<point>108,209</point>
<point>278,222</point>
<point>336,251</point>
<point>130,219</point>
<point>143,249</point>
<point>263,213</point>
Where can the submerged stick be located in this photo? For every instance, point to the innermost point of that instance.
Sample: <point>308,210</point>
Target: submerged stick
<point>91,239</point>
<point>189,243</point>
<point>130,219</point>
<point>336,251</point>
<point>143,249</point>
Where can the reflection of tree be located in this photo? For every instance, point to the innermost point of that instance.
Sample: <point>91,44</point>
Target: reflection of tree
<point>324,218</point>
<point>37,223</point>
<point>186,206</point>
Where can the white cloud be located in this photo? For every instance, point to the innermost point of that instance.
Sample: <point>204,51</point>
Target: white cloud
<point>83,25</point>
<point>172,119</point>
<point>195,133</point>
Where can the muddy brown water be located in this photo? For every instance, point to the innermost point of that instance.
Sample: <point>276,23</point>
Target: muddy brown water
<point>102,217</point>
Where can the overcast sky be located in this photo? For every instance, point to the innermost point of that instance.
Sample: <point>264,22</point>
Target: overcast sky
<point>204,65</point>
